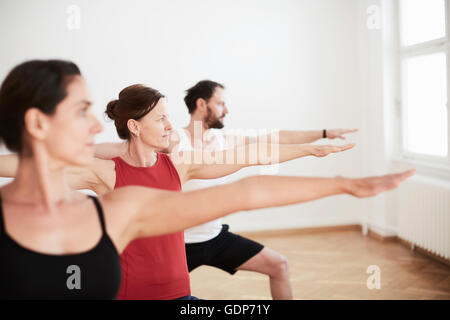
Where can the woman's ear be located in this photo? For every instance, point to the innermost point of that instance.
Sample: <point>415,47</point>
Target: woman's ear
<point>133,127</point>
<point>37,123</point>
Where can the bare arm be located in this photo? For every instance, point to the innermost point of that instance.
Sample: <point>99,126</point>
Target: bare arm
<point>99,176</point>
<point>109,150</point>
<point>153,212</point>
<point>289,137</point>
<point>215,164</point>
<point>8,165</point>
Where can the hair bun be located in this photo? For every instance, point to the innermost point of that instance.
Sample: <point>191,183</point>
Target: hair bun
<point>110,109</point>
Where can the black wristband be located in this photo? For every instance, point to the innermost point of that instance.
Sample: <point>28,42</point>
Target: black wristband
<point>324,133</point>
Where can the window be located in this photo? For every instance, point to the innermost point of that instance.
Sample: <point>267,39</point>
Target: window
<point>424,62</point>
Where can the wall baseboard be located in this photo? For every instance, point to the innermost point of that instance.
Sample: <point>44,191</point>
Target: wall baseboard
<point>423,251</point>
<point>409,245</point>
<point>353,227</point>
<point>379,237</point>
<point>299,231</point>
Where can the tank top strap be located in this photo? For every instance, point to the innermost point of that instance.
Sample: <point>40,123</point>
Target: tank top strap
<point>100,212</point>
<point>2,227</point>
<point>116,161</point>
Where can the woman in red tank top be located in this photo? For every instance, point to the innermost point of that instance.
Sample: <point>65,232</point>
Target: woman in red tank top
<point>164,255</point>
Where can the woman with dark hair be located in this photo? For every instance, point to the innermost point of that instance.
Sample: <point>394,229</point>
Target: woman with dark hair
<point>53,244</point>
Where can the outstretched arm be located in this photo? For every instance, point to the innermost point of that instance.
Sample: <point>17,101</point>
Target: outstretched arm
<point>8,165</point>
<point>98,176</point>
<point>289,137</point>
<point>110,150</point>
<point>155,212</point>
<point>215,164</point>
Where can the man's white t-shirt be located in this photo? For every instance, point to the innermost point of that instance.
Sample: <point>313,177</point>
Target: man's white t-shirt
<point>210,229</point>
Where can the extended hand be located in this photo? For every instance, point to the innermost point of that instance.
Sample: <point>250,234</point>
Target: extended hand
<point>339,133</point>
<point>322,151</point>
<point>367,187</point>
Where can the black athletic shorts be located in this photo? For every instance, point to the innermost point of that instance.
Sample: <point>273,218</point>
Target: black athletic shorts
<point>227,251</point>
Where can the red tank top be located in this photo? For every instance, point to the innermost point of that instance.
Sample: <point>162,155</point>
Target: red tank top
<point>153,268</point>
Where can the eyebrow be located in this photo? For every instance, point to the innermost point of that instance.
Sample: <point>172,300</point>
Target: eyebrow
<point>84,102</point>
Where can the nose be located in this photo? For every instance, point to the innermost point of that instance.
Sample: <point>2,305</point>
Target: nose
<point>96,126</point>
<point>225,110</point>
<point>168,126</point>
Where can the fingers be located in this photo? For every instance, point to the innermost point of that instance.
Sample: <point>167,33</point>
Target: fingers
<point>403,175</point>
<point>339,133</point>
<point>335,149</point>
<point>374,185</point>
<point>408,173</point>
<point>327,149</point>
<point>343,131</point>
<point>396,178</point>
<point>346,147</point>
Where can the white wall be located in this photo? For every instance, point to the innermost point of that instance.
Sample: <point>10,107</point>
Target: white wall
<point>290,64</point>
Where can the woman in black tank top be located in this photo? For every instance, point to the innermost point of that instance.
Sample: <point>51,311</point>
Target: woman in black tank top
<point>94,274</point>
<point>45,116</point>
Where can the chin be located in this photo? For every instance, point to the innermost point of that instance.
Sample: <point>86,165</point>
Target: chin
<point>82,159</point>
<point>164,144</point>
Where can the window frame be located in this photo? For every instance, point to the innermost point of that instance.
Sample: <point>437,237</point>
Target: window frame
<point>435,164</point>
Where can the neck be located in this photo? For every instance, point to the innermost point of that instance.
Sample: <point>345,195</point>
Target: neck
<point>140,155</point>
<point>197,128</point>
<point>39,182</point>
<point>196,123</point>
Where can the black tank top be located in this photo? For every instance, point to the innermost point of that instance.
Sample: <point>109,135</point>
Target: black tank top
<point>26,274</point>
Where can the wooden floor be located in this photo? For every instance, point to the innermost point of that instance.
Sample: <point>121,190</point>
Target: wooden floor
<point>332,265</point>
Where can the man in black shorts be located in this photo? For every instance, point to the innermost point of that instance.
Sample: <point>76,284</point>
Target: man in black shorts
<point>226,251</point>
<point>212,243</point>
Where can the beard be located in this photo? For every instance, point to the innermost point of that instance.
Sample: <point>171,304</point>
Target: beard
<point>212,121</point>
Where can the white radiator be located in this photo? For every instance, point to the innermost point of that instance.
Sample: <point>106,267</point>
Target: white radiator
<point>424,214</point>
